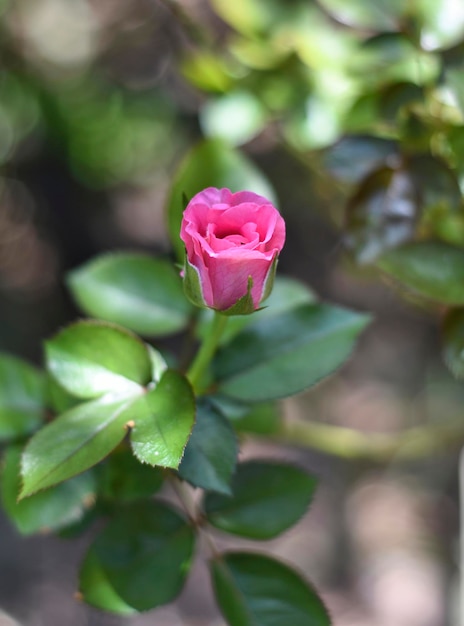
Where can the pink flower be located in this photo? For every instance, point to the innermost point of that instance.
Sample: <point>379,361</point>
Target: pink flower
<point>232,242</point>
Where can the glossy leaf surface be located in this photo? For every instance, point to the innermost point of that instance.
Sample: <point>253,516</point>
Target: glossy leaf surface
<point>355,156</point>
<point>235,117</point>
<point>287,293</point>
<point>436,183</point>
<point>261,419</point>
<point>22,397</point>
<point>137,291</point>
<point>123,478</point>
<point>50,510</point>
<point>163,420</point>
<point>211,452</point>
<point>145,553</point>
<point>58,399</point>
<point>96,590</point>
<point>92,358</point>
<point>382,214</point>
<point>430,269</point>
<point>73,442</point>
<point>382,14</point>
<point>287,353</point>
<point>267,499</point>
<point>255,590</point>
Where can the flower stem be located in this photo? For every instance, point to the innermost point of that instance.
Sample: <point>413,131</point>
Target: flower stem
<point>207,350</point>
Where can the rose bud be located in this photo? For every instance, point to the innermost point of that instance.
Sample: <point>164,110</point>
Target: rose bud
<point>232,243</point>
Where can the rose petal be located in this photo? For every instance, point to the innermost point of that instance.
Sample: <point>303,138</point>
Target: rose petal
<point>229,278</point>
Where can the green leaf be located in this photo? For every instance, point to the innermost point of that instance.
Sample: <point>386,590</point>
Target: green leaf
<point>158,364</point>
<point>430,269</point>
<point>436,182</point>
<point>287,353</point>
<point>387,106</point>
<point>261,419</point>
<point>91,358</point>
<point>444,225</point>
<point>206,70</point>
<point>211,452</point>
<point>145,554</point>
<point>236,117</point>
<point>123,478</point>
<point>96,590</point>
<point>135,290</point>
<point>381,214</point>
<point>453,342</point>
<point>454,80</point>
<point>229,407</point>
<point>395,97</point>
<point>58,399</point>
<point>211,164</point>
<point>442,23</point>
<point>253,17</point>
<point>391,57</point>
<point>74,441</point>
<point>268,498</point>
<point>381,14</point>
<point>52,509</point>
<point>163,421</point>
<point>77,529</point>
<point>355,156</point>
<point>287,294</point>
<point>455,139</point>
<point>21,397</point>
<point>416,132</point>
<point>255,590</point>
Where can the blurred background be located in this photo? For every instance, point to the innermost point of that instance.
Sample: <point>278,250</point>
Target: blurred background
<point>351,113</point>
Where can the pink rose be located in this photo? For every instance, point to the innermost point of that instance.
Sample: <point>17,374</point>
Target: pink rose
<point>232,242</point>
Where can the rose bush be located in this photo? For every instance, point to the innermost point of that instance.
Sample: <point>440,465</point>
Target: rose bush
<point>232,244</point>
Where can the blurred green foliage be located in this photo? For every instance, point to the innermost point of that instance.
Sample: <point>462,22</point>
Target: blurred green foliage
<point>379,82</point>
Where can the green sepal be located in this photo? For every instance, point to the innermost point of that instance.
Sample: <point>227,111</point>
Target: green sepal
<point>245,305</point>
<point>269,282</point>
<point>192,285</point>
